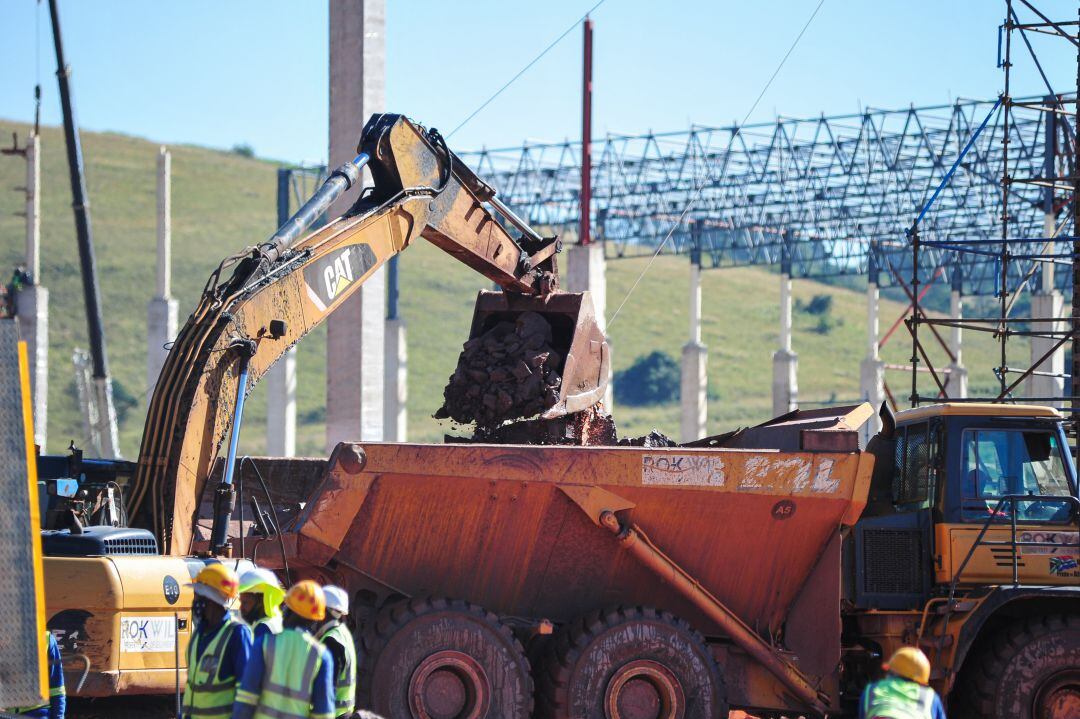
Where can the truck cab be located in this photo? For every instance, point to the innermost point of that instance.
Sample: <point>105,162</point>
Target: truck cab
<point>970,530</point>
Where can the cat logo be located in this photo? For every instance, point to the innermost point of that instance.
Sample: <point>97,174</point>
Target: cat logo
<point>327,278</point>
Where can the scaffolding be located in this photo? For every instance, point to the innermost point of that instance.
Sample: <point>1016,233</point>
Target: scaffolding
<point>839,187</point>
<point>1025,253</point>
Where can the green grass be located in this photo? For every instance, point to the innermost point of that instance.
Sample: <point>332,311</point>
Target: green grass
<point>223,202</point>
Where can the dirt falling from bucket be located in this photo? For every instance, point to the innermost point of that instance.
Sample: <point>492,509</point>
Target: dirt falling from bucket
<point>509,372</point>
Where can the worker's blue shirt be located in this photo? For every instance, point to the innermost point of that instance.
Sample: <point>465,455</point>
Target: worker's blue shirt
<point>937,709</point>
<point>57,700</point>
<point>261,630</point>
<point>322,690</point>
<point>237,652</point>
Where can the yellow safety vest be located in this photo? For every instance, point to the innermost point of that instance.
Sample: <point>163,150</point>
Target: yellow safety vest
<point>292,659</point>
<point>345,676</point>
<point>206,695</point>
<point>898,698</point>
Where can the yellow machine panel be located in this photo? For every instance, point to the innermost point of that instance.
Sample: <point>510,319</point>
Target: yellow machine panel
<point>129,616</point>
<point>993,564</point>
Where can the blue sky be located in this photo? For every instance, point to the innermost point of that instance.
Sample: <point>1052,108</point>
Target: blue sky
<point>220,73</point>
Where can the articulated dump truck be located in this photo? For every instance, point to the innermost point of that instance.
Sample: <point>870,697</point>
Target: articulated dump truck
<point>770,569</point>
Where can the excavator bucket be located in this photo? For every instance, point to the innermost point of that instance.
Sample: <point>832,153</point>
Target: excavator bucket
<point>577,354</point>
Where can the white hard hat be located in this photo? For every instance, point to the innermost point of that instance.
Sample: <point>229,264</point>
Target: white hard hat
<point>336,599</point>
<point>258,578</point>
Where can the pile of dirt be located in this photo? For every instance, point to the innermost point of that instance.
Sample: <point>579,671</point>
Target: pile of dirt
<point>509,372</point>
<point>592,427</point>
<point>651,440</point>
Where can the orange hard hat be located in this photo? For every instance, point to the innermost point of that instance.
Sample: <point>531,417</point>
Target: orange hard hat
<point>217,583</point>
<point>306,598</point>
<point>909,663</point>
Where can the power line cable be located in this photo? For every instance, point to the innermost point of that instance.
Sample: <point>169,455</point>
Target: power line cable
<point>701,187</point>
<point>525,69</point>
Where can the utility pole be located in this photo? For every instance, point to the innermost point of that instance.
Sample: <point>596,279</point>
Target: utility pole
<point>584,229</point>
<point>101,391</point>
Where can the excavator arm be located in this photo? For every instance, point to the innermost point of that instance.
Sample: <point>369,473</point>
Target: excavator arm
<point>277,292</point>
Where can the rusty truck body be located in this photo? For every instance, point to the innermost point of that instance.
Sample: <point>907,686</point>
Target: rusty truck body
<point>765,557</point>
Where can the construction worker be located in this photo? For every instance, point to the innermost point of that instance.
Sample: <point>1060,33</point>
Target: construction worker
<point>219,648</point>
<point>290,675</point>
<point>261,596</point>
<point>339,640</point>
<point>57,703</point>
<point>903,693</point>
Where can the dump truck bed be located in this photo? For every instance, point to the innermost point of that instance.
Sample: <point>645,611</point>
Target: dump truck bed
<point>508,527</point>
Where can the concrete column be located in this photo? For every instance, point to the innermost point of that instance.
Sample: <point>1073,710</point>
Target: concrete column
<point>281,406</point>
<point>161,313</point>
<point>32,301</point>
<point>956,383</point>
<point>785,389</point>
<point>1048,304</point>
<point>585,271</point>
<point>872,368</point>
<point>355,349</point>
<point>694,381</point>
<point>956,386</point>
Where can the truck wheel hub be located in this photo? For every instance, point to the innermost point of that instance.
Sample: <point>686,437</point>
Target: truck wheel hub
<point>449,685</point>
<point>644,689</point>
<point>1059,698</point>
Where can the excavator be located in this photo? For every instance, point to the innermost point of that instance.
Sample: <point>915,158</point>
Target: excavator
<point>121,539</point>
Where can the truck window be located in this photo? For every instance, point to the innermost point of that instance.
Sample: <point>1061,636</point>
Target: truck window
<point>999,462</point>
<point>914,460</point>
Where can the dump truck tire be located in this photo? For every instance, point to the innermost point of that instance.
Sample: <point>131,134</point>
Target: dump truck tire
<point>630,663</point>
<point>445,659</point>
<point>1029,670</point>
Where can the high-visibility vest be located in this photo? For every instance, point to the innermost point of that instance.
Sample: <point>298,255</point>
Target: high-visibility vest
<point>898,698</point>
<point>53,691</point>
<point>345,676</point>
<point>274,623</point>
<point>292,659</point>
<point>206,695</point>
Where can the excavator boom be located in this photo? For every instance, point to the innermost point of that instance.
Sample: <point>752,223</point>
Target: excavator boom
<point>277,292</point>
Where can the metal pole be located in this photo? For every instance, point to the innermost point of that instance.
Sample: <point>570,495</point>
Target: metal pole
<point>1074,381</point>
<point>914,399</point>
<point>1049,169</point>
<point>584,229</point>
<point>80,203</point>
<point>1003,295</point>
<point>392,291</point>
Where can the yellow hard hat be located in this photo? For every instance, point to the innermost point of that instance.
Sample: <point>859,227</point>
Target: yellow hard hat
<point>264,582</point>
<point>306,598</point>
<point>909,663</point>
<point>217,583</point>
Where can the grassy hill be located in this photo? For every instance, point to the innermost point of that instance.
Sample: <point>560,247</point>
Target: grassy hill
<point>223,202</point>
